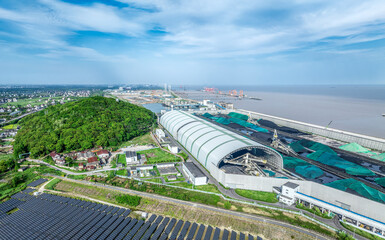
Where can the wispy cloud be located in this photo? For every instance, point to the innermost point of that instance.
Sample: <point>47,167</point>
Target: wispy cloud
<point>138,30</point>
<point>210,28</point>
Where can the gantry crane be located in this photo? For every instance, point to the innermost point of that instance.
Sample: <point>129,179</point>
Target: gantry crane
<point>277,144</point>
<point>251,120</point>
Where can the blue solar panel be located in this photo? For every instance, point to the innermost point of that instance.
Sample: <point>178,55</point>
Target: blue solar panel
<point>56,217</point>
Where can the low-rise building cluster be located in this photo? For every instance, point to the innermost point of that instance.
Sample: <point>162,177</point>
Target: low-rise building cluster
<point>84,160</point>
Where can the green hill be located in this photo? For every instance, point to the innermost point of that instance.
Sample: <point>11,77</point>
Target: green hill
<point>94,121</point>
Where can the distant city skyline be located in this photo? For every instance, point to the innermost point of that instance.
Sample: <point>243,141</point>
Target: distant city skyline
<point>192,42</point>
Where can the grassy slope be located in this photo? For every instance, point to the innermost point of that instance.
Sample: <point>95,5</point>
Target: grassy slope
<point>51,185</point>
<point>141,140</point>
<point>257,195</point>
<point>361,232</point>
<point>157,155</point>
<point>122,159</point>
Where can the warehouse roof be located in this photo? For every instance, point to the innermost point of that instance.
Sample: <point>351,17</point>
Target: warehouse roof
<point>194,170</point>
<point>131,154</point>
<point>207,142</point>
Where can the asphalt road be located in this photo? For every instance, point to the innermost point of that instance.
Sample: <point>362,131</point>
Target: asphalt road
<point>68,171</point>
<point>19,117</point>
<point>203,207</point>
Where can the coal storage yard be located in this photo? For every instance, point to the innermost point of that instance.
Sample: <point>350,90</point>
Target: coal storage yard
<point>313,161</point>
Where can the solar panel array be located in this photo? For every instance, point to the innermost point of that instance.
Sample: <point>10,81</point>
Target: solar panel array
<point>49,216</point>
<point>37,182</point>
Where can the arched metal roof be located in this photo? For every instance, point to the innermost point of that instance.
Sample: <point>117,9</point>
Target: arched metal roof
<point>207,142</point>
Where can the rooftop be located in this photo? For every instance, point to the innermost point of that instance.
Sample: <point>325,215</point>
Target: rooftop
<point>195,171</point>
<point>102,152</point>
<point>131,154</point>
<point>92,159</point>
<point>291,185</point>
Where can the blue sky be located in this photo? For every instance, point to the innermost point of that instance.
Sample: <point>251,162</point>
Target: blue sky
<point>214,42</point>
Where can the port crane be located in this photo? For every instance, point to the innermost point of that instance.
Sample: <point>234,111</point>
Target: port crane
<point>277,144</point>
<point>252,120</point>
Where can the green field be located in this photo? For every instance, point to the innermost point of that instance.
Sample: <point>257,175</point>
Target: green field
<point>51,185</point>
<point>5,143</point>
<point>177,179</point>
<point>122,172</point>
<point>5,156</point>
<point>122,159</point>
<point>157,155</point>
<point>35,101</point>
<point>207,188</point>
<point>258,195</point>
<point>141,140</point>
<point>155,180</point>
<point>77,177</point>
<point>10,126</point>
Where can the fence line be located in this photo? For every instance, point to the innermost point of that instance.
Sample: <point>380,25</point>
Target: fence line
<point>245,202</point>
<point>217,194</point>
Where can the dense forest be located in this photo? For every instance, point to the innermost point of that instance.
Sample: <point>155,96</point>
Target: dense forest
<point>94,121</point>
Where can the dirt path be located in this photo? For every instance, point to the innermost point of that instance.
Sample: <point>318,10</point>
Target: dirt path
<point>42,187</point>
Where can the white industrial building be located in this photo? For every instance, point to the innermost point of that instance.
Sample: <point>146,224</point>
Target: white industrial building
<point>160,133</point>
<point>131,157</point>
<point>195,175</point>
<point>290,194</point>
<point>211,144</point>
<point>172,148</point>
<point>288,191</point>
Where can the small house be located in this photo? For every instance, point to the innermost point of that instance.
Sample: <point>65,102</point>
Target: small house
<point>103,154</point>
<point>131,157</point>
<point>81,166</point>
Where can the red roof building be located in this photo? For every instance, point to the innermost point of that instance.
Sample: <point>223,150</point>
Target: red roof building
<point>92,159</point>
<point>53,154</point>
<point>102,152</point>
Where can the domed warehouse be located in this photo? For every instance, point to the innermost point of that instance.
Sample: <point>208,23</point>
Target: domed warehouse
<point>221,151</point>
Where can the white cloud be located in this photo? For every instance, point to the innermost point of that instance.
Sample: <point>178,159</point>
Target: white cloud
<point>201,28</point>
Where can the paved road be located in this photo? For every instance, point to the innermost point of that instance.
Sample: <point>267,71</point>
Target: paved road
<point>68,171</point>
<point>21,116</point>
<point>203,207</point>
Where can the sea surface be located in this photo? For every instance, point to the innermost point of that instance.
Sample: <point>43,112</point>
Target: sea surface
<point>154,107</point>
<point>351,108</point>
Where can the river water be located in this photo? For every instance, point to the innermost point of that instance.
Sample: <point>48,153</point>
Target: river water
<point>356,109</point>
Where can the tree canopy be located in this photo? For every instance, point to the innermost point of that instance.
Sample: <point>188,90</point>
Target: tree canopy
<point>80,125</point>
